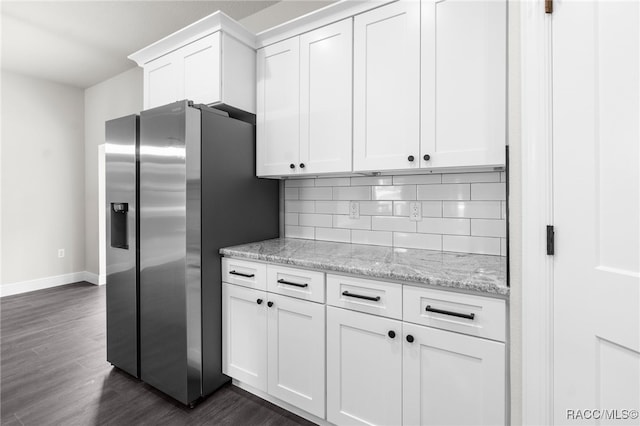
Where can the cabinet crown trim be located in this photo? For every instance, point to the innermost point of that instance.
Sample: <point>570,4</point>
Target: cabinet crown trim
<point>210,24</point>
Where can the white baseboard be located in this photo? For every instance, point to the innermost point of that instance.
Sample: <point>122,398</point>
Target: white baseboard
<point>95,279</point>
<point>42,283</point>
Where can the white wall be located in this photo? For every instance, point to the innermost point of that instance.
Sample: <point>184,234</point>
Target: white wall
<point>281,12</point>
<point>113,98</point>
<point>42,183</point>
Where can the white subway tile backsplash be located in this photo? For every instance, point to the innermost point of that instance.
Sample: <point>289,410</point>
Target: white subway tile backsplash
<point>465,244</point>
<point>471,177</point>
<point>392,223</point>
<point>352,193</point>
<point>488,228</point>
<point>503,176</point>
<point>333,181</point>
<point>323,193</point>
<point>299,232</point>
<point>503,208</point>
<point>376,238</point>
<point>293,206</point>
<point>314,219</point>
<point>399,192</point>
<point>471,209</point>
<point>433,225</point>
<point>376,208</point>
<point>462,212</point>
<point>451,191</point>
<point>332,207</point>
<point>371,180</point>
<point>418,241</point>
<point>488,191</point>
<point>291,193</point>
<point>340,221</point>
<point>417,179</point>
<point>333,234</point>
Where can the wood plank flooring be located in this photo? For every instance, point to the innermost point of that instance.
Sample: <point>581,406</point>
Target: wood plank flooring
<point>54,372</point>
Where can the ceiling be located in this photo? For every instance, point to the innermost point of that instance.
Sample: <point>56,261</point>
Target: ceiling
<point>81,43</point>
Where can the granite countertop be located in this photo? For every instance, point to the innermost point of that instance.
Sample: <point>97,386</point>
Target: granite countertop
<point>471,272</point>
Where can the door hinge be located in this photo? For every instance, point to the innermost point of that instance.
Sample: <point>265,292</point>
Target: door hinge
<point>550,240</point>
<point>548,6</point>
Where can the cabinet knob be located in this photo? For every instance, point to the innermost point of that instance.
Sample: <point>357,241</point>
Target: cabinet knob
<point>292,166</point>
<point>392,334</point>
<point>427,157</point>
<point>410,158</point>
<point>302,165</point>
<point>269,304</point>
<point>410,338</point>
<point>259,301</point>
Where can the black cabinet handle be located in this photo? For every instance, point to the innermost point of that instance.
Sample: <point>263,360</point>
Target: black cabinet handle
<point>281,281</point>
<point>410,158</point>
<point>241,274</point>
<point>269,304</point>
<point>259,301</point>
<point>392,334</point>
<point>302,165</point>
<point>453,314</point>
<point>427,157</point>
<point>410,338</point>
<point>292,166</point>
<point>360,296</point>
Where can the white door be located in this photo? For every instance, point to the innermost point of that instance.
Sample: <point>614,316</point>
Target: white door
<point>596,159</point>
<point>162,81</point>
<point>326,66</point>
<point>278,109</point>
<point>200,77</point>
<point>244,335</point>
<point>452,379</point>
<point>296,345</point>
<point>464,67</point>
<point>386,87</point>
<point>364,369</point>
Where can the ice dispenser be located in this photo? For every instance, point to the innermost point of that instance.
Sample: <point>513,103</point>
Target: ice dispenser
<point>119,234</point>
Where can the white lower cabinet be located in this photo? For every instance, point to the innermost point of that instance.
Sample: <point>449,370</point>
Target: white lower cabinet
<point>364,369</point>
<point>451,379</point>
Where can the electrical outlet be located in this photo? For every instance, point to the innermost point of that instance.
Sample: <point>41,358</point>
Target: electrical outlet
<point>60,253</point>
<point>354,210</point>
<point>415,211</point>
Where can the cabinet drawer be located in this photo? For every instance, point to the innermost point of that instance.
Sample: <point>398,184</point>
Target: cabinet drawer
<point>307,285</point>
<point>372,297</point>
<point>463,313</point>
<point>244,273</point>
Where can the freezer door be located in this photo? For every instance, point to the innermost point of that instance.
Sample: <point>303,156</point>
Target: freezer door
<point>170,311</point>
<point>121,251</point>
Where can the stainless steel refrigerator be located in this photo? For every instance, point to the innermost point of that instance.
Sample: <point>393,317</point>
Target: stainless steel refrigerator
<point>180,184</point>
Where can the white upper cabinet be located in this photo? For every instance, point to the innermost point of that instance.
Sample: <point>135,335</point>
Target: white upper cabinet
<point>386,88</point>
<point>278,97</point>
<point>211,61</point>
<point>463,83</point>
<point>325,98</point>
<point>304,103</point>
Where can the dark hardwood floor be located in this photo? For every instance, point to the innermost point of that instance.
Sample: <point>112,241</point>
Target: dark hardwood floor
<point>54,372</point>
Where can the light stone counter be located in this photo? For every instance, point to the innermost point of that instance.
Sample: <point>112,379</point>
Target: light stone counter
<point>469,272</point>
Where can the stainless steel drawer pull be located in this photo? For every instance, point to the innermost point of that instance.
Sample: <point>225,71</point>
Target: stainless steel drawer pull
<point>360,296</point>
<point>241,274</point>
<point>281,281</point>
<point>453,314</point>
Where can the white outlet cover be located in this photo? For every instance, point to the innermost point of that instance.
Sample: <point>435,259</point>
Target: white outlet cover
<point>354,210</point>
<point>60,253</point>
<point>415,211</point>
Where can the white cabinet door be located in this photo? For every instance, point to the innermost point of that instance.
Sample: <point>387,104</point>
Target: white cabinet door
<point>244,335</point>
<point>296,348</point>
<point>325,98</point>
<point>386,115</point>
<point>162,81</point>
<point>463,83</point>
<point>278,108</point>
<point>452,379</point>
<point>364,369</point>
<point>200,69</point>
